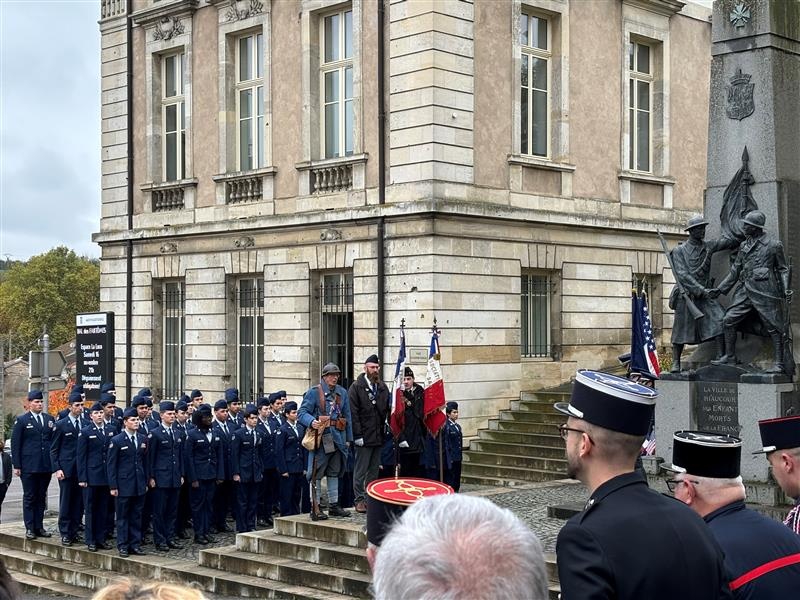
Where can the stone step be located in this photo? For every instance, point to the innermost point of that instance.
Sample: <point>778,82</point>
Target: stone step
<point>343,532</point>
<point>551,440</point>
<point>313,551</point>
<point>530,450</point>
<point>545,396</point>
<point>555,418</point>
<point>523,426</point>
<point>541,406</point>
<point>558,465</point>
<point>276,568</point>
<point>77,566</point>
<point>471,469</point>
<point>31,585</point>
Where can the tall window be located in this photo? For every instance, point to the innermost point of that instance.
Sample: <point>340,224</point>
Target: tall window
<point>250,344</point>
<point>535,340</point>
<point>336,322</point>
<point>173,116</point>
<point>336,82</point>
<point>640,106</point>
<point>250,101</point>
<point>174,331</point>
<point>534,97</point>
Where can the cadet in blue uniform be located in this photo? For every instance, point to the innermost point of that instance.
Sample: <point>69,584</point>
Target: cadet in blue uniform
<point>165,465</point>
<point>629,542</point>
<point>234,408</point>
<point>92,465</point>
<point>110,418</point>
<point>453,439</point>
<point>127,480</point>
<point>196,399</point>
<point>248,470</point>
<point>204,469</point>
<point>270,483</point>
<point>182,425</point>
<point>30,455</point>
<point>63,454</point>
<point>225,494</point>
<point>290,460</point>
<point>761,555</point>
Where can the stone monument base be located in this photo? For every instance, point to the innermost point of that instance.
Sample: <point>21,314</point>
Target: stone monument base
<point>729,405</point>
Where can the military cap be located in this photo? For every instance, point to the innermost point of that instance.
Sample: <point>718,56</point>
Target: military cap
<point>232,395</point>
<point>755,218</point>
<point>695,221</point>
<point>408,372</point>
<point>96,407</point>
<point>145,392</point>
<point>250,410</point>
<point>276,396</point>
<point>179,405</point>
<point>290,406</point>
<point>166,405</point>
<point>74,397</point>
<point>78,388</point>
<point>451,406</point>
<point>198,415</point>
<point>196,394</point>
<point>35,395</point>
<point>204,408</point>
<point>220,404</point>
<point>107,387</point>
<point>139,401</point>
<point>386,501</point>
<point>106,398</point>
<point>782,433</point>
<point>372,359</point>
<point>62,413</point>
<point>706,454</point>
<point>263,402</point>
<point>610,402</point>
<point>129,412</point>
<point>330,368</point>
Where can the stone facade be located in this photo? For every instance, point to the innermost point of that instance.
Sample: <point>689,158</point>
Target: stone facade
<point>466,213</point>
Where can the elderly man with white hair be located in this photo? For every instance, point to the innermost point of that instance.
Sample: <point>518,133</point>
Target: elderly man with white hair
<point>453,547</point>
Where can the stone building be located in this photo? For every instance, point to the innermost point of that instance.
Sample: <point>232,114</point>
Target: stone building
<point>260,218</point>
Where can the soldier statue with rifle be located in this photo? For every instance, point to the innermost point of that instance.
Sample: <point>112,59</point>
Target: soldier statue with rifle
<point>698,315</point>
<point>761,297</point>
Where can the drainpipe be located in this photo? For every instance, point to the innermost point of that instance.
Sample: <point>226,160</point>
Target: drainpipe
<point>129,243</point>
<point>381,175</point>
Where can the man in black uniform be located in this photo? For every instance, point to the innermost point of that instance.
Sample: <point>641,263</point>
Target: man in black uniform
<point>761,555</point>
<point>412,437</point>
<point>781,440</point>
<point>629,542</point>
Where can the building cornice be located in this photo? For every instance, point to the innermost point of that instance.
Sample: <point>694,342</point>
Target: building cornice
<point>162,12</point>
<point>661,7</point>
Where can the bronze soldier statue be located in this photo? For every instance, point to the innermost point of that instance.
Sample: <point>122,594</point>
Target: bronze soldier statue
<point>691,263</point>
<point>759,302</point>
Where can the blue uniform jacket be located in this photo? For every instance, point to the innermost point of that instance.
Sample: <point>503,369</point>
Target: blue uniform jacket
<point>127,465</point>
<point>64,446</point>
<point>202,458</point>
<point>165,458</point>
<point>93,455</point>
<point>30,444</point>
<point>114,424</point>
<point>309,411</point>
<point>290,456</point>
<point>268,444</point>
<point>246,455</point>
<point>226,446</point>
<point>749,540</point>
<point>452,442</point>
<point>275,422</point>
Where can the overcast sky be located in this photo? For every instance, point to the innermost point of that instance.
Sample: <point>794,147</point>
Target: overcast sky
<point>49,126</point>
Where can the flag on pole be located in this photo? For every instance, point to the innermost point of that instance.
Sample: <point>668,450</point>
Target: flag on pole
<point>397,420</point>
<point>434,388</point>
<point>643,348</point>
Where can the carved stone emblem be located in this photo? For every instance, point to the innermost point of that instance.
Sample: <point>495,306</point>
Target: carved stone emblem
<point>166,32</point>
<point>740,96</point>
<point>244,242</point>
<point>255,7</point>
<point>330,235</point>
<point>168,248</point>
<point>740,15</point>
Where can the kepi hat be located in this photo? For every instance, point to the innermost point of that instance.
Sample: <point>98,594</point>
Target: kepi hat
<point>779,434</point>
<point>706,454</point>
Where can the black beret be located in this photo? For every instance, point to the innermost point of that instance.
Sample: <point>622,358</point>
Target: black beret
<point>408,372</point>
<point>372,358</point>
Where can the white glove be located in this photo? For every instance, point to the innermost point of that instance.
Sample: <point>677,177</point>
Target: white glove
<point>403,444</point>
<point>359,442</point>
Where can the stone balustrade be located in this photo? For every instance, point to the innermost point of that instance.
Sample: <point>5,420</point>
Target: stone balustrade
<point>332,178</point>
<point>168,198</point>
<point>247,188</point>
<point>112,8</point>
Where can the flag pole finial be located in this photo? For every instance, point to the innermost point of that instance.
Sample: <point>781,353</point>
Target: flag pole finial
<point>403,323</point>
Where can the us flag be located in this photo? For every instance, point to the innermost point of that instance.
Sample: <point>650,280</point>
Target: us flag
<point>643,348</point>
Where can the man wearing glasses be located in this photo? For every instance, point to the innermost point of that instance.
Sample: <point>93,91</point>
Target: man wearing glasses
<point>781,440</point>
<point>629,541</point>
<point>761,555</point>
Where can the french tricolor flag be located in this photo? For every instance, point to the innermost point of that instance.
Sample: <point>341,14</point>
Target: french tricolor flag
<point>434,388</point>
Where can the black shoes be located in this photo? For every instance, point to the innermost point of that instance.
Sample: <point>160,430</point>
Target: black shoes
<point>162,548</point>
<point>123,553</point>
<point>44,533</point>
<point>318,516</point>
<point>337,511</point>
<point>104,546</point>
<point>29,535</point>
<point>174,544</point>
<point>182,535</point>
<point>65,541</point>
<point>199,539</point>
<point>137,551</point>
<point>210,539</point>
<point>92,547</point>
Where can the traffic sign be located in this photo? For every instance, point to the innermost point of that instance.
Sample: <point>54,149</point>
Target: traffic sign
<point>55,383</point>
<point>55,363</point>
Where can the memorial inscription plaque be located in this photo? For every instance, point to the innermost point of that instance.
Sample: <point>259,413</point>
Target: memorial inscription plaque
<point>716,407</point>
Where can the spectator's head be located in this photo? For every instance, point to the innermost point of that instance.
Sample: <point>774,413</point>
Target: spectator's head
<point>132,590</point>
<point>9,590</point>
<point>457,546</point>
<point>706,468</point>
<point>330,374</point>
<point>781,440</point>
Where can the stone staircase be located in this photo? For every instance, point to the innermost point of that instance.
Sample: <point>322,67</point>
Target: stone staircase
<point>298,559</point>
<point>521,445</point>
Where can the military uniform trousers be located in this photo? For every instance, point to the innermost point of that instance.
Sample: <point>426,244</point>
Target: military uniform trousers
<point>247,497</point>
<point>34,499</point>
<point>292,487</point>
<point>201,498</point>
<point>95,500</point>
<point>165,504</point>
<point>70,507</point>
<point>269,496</point>
<point>129,521</point>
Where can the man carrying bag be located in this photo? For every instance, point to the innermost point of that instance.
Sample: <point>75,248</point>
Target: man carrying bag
<point>325,412</point>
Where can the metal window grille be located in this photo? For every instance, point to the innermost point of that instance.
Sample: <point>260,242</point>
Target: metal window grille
<point>250,344</point>
<point>173,303</point>
<point>336,323</point>
<point>536,293</point>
